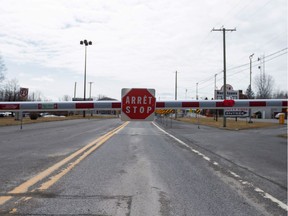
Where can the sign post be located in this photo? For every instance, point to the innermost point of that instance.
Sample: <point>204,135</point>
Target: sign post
<point>138,104</point>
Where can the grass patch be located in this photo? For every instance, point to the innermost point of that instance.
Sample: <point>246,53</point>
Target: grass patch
<point>230,123</point>
<point>7,121</point>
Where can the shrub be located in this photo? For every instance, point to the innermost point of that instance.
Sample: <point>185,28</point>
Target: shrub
<point>33,116</point>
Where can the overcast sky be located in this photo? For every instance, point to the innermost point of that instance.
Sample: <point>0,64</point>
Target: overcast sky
<point>140,44</point>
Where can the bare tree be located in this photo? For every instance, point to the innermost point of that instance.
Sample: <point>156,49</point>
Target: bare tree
<point>66,98</point>
<point>35,96</point>
<point>11,90</point>
<point>280,94</point>
<point>264,85</point>
<point>2,69</point>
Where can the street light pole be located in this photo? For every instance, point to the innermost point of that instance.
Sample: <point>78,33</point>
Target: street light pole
<point>250,86</point>
<point>86,43</point>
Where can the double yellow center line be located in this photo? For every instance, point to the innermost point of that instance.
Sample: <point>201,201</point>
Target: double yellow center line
<point>79,154</point>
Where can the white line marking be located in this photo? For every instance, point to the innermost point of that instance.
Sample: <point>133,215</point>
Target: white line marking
<point>273,199</point>
<point>258,190</point>
<point>234,174</point>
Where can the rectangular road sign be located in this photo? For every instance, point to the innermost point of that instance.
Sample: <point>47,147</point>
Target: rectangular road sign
<point>236,112</point>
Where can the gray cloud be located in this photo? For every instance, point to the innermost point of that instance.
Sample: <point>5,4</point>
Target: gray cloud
<point>150,39</point>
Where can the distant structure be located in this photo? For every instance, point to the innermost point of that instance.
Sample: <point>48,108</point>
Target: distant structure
<point>265,113</point>
<point>106,99</point>
<point>106,112</point>
<point>230,93</point>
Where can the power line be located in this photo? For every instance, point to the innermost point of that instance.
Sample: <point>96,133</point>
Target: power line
<point>267,59</point>
<point>276,52</point>
<point>267,56</point>
<point>209,81</point>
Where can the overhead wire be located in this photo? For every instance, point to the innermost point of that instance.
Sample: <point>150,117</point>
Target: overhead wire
<point>267,59</point>
<point>239,9</point>
<point>207,38</point>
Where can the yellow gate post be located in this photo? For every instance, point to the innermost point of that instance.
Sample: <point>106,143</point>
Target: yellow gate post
<point>281,118</point>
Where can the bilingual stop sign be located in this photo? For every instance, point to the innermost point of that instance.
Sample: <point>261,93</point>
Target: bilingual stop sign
<point>138,104</point>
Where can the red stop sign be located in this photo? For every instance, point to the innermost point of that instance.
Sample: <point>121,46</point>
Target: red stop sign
<point>138,104</point>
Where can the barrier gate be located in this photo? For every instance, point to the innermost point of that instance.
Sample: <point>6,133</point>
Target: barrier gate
<point>116,105</point>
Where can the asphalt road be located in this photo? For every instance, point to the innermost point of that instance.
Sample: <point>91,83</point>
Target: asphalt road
<point>262,152</point>
<point>24,153</point>
<point>144,168</point>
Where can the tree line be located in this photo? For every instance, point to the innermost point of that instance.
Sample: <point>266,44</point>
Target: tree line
<point>264,86</point>
<point>10,91</point>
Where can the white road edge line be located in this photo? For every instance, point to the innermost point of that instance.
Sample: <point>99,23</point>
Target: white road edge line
<point>258,190</point>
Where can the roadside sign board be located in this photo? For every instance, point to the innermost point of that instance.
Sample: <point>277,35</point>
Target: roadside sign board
<point>47,106</point>
<point>138,104</point>
<point>24,93</point>
<point>219,95</point>
<point>236,112</point>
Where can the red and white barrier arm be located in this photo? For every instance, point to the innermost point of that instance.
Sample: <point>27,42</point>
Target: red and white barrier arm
<point>221,104</point>
<point>116,105</point>
<point>59,106</point>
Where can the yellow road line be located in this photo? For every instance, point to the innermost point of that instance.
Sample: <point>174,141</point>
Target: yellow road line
<point>23,188</point>
<point>55,178</point>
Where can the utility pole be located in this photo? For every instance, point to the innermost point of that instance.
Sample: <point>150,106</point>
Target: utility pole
<point>176,85</point>
<point>262,64</point>
<point>224,64</point>
<point>215,86</point>
<point>250,86</point>
<point>250,58</point>
<point>175,92</point>
<point>90,83</point>
<point>196,91</point>
<point>75,89</point>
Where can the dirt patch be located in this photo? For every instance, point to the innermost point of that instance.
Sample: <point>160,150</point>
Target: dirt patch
<point>283,136</point>
<point>7,121</point>
<point>230,123</point>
